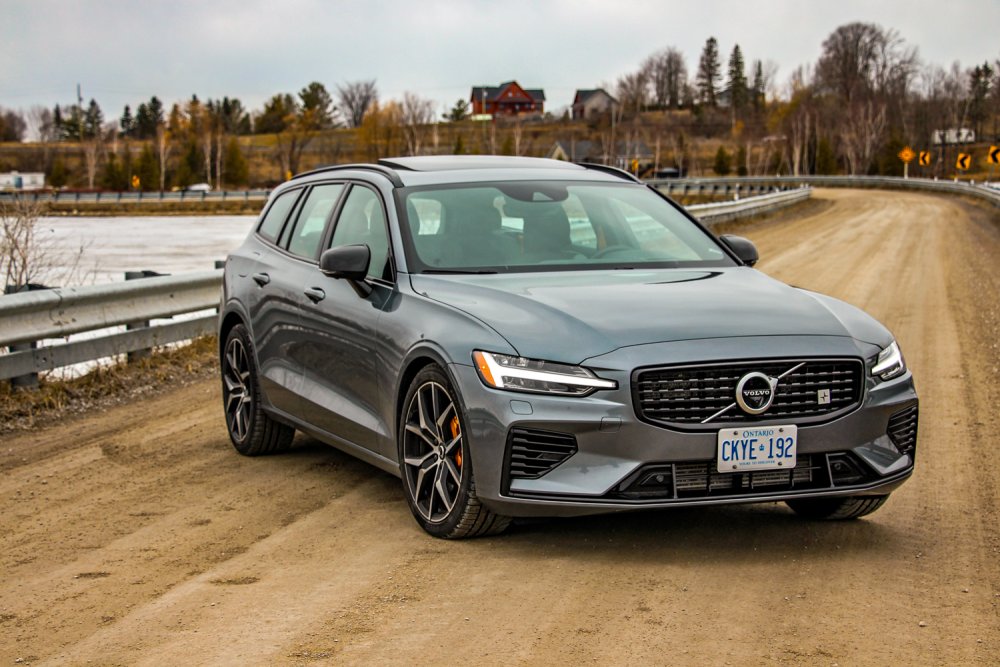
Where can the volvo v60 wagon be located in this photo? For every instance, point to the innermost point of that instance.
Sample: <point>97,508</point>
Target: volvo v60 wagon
<point>524,337</point>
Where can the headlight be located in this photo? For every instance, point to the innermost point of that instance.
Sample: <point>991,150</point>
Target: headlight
<point>501,371</point>
<point>890,362</point>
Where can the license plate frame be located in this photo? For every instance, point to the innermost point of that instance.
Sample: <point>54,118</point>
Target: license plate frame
<point>753,448</point>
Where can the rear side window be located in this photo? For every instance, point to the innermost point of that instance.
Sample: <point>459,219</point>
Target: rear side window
<point>316,210</point>
<point>275,217</point>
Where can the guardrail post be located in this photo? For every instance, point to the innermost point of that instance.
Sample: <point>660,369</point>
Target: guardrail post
<point>141,324</point>
<point>29,381</point>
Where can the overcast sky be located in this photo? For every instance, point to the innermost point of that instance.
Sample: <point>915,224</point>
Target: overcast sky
<point>122,52</point>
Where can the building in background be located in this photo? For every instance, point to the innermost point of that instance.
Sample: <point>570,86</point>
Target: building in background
<point>507,99</point>
<point>22,181</point>
<point>591,103</point>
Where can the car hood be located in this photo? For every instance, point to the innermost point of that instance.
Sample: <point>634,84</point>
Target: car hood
<point>570,316</point>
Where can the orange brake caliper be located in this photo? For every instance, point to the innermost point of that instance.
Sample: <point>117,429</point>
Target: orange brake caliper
<point>455,428</point>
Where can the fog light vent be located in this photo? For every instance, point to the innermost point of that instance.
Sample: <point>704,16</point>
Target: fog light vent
<point>534,453</point>
<point>902,430</point>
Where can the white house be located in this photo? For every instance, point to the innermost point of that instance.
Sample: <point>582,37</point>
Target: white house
<point>17,181</point>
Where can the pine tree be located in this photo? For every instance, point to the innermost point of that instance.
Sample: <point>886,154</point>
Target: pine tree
<point>758,86</point>
<point>737,81</point>
<point>708,73</point>
<point>235,167</point>
<point>93,120</point>
<point>126,124</point>
<point>722,165</point>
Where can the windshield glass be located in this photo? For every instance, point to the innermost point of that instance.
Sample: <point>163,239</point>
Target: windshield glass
<point>536,226</point>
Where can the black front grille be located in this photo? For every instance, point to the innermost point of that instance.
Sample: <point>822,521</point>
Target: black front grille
<point>902,430</point>
<point>685,396</point>
<point>532,452</point>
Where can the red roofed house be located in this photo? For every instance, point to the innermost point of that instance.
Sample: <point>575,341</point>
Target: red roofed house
<point>507,99</point>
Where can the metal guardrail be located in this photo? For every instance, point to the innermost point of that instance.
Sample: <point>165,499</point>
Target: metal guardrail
<point>755,184</point>
<point>29,317</point>
<point>716,213</point>
<point>59,197</point>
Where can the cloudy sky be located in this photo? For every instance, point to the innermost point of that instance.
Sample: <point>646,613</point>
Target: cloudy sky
<point>122,52</point>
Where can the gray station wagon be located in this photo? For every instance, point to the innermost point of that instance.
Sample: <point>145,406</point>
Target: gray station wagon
<point>523,337</point>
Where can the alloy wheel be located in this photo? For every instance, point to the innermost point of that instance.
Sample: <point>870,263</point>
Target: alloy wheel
<point>239,393</point>
<point>432,451</point>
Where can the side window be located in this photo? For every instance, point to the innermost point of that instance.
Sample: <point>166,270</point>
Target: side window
<point>309,226</point>
<point>275,217</point>
<point>362,220</point>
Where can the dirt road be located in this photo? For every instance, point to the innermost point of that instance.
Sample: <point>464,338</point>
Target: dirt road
<point>138,536</point>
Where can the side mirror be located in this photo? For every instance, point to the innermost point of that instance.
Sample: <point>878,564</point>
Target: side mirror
<point>347,261</point>
<point>742,248</point>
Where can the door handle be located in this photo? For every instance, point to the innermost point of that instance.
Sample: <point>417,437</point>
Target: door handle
<point>315,294</point>
<point>261,278</point>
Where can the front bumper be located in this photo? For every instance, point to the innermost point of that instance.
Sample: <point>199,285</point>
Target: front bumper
<point>615,451</point>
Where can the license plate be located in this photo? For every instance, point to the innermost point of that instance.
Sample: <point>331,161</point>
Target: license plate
<point>757,448</point>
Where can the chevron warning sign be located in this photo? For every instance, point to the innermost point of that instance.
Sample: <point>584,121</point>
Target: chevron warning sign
<point>993,157</point>
<point>925,158</point>
<point>963,161</point>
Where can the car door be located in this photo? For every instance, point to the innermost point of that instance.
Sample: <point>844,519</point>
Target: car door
<point>262,277</point>
<point>340,329</point>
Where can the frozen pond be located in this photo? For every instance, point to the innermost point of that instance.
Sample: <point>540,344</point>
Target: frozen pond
<point>112,246</point>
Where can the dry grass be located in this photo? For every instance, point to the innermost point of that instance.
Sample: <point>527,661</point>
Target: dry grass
<point>107,386</point>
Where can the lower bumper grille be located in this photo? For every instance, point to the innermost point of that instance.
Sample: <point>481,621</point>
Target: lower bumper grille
<point>902,430</point>
<point>532,453</point>
<point>699,479</point>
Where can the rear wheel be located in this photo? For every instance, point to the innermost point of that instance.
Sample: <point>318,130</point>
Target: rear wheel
<point>836,509</point>
<point>251,430</point>
<point>435,463</point>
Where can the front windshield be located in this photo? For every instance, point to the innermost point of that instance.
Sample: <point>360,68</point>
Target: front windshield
<point>537,226</point>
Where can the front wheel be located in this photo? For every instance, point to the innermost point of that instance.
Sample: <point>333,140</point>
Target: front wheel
<point>435,464</point>
<point>251,430</point>
<point>836,509</point>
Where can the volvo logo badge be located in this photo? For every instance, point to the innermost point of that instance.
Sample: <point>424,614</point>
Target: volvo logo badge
<point>755,393</point>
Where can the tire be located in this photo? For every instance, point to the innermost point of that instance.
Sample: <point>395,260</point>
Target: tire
<point>251,430</point>
<point>836,509</point>
<point>435,464</point>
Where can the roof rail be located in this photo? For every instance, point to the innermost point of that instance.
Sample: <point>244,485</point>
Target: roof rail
<point>614,171</point>
<point>385,171</point>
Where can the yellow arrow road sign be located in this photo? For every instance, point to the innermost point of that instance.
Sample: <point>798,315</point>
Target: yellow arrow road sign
<point>925,158</point>
<point>963,161</point>
<point>993,157</point>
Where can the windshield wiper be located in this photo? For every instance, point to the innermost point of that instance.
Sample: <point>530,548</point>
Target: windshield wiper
<point>458,271</point>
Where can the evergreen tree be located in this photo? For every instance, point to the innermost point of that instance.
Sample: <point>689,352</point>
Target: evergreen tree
<point>722,165</point>
<point>57,174</point>
<point>708,73</point>
<point>317,106</point>
<point>741,161</point>
<point>114,176</point>
<point>758,86</point>
<point>737,81</point>
<point>93,120</point>
<point>459,112</point>
<point>826,159</point>
<point>235,166</point>
<point>58,124</point>
<point>126,124</point>
<point>148,169</point>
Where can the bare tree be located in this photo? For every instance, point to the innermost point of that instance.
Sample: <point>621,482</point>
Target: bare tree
<point>164,145</point>
<point>417,112</point>
<point>29,254</point>
<point>666,73</point>
<point>632,91</point>
<point>355,99</point>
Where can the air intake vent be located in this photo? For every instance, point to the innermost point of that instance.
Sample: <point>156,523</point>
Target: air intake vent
<point>903,430</point>
<point>686,396</point>
<point>534,453</point>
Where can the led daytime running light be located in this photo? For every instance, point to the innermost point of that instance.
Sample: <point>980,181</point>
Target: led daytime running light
<point>503,371</point>
<point>889,363</point>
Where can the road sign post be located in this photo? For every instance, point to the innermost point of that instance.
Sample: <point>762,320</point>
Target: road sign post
<point>906,155</point>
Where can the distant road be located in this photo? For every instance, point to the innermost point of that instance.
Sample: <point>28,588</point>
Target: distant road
<point>139,537</point>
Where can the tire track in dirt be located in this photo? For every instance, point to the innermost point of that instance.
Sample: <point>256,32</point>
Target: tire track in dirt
<point>151,542</point>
